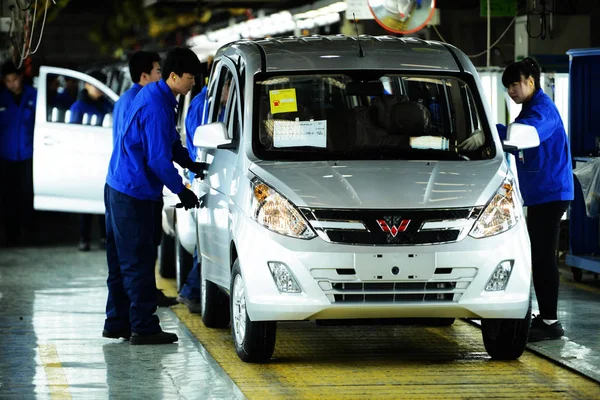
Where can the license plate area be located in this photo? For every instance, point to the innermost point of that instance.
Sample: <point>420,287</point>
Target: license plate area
<point>394,267</point>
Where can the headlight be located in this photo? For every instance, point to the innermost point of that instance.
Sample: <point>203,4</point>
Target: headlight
<point>276,213</point>
<point>501,214</point>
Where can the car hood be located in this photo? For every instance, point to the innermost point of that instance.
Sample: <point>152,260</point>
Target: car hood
<point>384,184</point>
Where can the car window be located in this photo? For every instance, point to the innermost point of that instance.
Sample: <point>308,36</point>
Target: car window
<point>70,100</point>
<point>342,116</point>
<point>233,119</point>
<point>220,98</point>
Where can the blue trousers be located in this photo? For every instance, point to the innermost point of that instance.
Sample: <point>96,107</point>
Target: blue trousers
<point>191,289</point>
<point>132,237</point>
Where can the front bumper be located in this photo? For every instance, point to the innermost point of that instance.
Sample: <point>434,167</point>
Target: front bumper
<point>349,281</point>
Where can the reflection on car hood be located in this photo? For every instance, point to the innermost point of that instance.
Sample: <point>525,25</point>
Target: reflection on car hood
<point>384,184</point>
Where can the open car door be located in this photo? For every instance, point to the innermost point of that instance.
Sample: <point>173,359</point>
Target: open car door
<point>71,149</point>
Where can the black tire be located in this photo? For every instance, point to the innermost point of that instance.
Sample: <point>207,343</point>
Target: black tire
<point>258,341</point>
<point>166,256</point>
<point>505,339</point>
<point>184,262</point>
<point>577,274</point>
<point>215,305</point>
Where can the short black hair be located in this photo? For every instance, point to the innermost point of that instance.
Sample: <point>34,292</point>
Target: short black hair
<point>97,74</point>
<point>181,60</point>
<point>9,68</point>
<point>526,68</point>
<point>140,62</point>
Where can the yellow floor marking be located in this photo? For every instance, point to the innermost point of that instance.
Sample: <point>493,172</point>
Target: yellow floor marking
<point>57,381</point>
<point>385,362</point>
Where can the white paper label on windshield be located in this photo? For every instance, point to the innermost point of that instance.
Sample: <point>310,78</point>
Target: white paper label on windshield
<point>300,133</point>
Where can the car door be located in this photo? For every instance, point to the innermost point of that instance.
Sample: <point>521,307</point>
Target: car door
<point>213,216</point>
<point>70,158</point>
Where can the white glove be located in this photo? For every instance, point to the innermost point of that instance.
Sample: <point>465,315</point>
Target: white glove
<point>475,141</point>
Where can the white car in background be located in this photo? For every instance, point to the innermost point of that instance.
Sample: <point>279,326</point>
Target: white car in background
<point>70,161</point>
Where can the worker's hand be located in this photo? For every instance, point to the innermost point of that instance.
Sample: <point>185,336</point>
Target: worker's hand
<point>198,168</point>
<point>473,142</point>
<point>188,199</point>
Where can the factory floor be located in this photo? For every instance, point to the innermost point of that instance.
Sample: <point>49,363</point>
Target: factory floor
<point>52,299</point>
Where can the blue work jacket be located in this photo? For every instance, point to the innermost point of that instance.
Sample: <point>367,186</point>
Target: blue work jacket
<point>545,172</point>
<point>193,119</point>
<point>143,155</point>
<point>85,105</point>
<point>121,107</point>
<point>16,124</point>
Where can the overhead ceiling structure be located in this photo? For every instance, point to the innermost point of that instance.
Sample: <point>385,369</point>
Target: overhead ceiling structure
<point>214,4</point>
<point>285,4</point>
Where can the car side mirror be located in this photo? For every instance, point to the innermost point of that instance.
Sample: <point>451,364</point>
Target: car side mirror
<point>212,136</point>
<point>520,136</point>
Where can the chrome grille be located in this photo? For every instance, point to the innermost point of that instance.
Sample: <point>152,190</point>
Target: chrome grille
<point>392,227</point>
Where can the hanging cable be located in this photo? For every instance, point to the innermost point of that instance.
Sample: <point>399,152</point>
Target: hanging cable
<point>496,42</point>
<point>486,50</point>
<point>24,8</point>
<point>543,22</point>
<point>41,30</point>
<point>32,29</point>
<point>438,33</point>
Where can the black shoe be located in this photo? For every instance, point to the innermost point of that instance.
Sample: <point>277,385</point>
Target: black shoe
<point>164,301</point>
<point>84,246</point>
<point>194,306</point>
<point>116,335</point>
<point>158,338</point>
<point>540,330</point>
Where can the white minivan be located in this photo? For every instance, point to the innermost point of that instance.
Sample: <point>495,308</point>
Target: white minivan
<point>337,189</point>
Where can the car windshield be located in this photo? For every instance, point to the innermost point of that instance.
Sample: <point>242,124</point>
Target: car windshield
<point>384,116</point>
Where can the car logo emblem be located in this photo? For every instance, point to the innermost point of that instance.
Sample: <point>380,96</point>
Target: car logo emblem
<point>393,229</point>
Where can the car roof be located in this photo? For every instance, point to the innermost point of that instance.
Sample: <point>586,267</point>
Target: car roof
<point>341,52</point>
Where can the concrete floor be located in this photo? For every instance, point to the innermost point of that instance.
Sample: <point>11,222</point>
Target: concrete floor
<point>52,302</point>
<point>52,299</point>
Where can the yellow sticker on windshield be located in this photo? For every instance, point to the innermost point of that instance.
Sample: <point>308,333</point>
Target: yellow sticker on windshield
<point>283,101</point>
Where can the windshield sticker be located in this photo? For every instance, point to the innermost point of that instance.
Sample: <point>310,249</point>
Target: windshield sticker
<point>429,142</point>
<point>283,101</point>
<point>300,133</point>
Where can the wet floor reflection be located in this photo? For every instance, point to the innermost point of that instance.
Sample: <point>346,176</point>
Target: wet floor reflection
<point>53,302</point>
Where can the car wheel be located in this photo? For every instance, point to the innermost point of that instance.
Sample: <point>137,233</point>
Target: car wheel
<point>214,305</point>
<point>577,274</point>
<point>254,341</point>
<point>184,262</point>
<point>166,256</point>
<point>505,339</point>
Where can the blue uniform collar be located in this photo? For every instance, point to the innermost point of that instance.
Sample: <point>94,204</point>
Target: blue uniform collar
<point>537,95</point>
<point>137,86</point>
<point>167,93</point>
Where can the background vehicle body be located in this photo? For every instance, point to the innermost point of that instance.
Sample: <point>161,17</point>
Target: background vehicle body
<point>78,154</point>
<point>356,224</point>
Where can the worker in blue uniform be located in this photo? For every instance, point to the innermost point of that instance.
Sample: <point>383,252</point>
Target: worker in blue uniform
<point>140,165</point>
<point>190,292</point>
<point>90,109</point>
<point>17,116</point>
<point>546,184</point>
<point>92,106</point>
<point>144,68</point>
